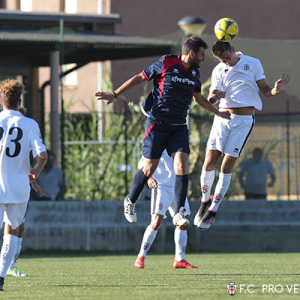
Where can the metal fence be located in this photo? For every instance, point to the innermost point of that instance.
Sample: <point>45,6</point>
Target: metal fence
<point>109,173</point>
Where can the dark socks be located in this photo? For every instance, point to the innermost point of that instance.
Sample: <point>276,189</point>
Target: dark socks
<point>138,184</point>
<point>181,189</point>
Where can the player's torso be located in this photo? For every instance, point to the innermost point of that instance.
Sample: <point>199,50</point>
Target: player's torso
<point>173,90</point>
<point>239,83</point>
<point>239,76</point>
<point>14,153</point>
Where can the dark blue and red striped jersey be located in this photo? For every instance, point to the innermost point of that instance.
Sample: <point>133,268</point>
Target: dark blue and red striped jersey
<point>173,88</point>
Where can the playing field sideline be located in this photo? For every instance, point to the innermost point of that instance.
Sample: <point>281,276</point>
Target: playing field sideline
<point>104,276</point>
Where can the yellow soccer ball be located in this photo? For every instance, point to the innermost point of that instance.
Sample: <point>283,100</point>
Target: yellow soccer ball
<point>226,29</point>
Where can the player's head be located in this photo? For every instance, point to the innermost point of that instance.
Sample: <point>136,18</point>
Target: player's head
<point>257,154</point>
<point>11,91</point>
<point>194,43</point>
<point>225,53</point>
<point>194,47</point>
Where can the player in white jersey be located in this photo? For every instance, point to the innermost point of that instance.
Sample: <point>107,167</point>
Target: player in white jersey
<point>162,199</point>
<point>241,77</point>
<point>13,269</point>
<point>18,136</point>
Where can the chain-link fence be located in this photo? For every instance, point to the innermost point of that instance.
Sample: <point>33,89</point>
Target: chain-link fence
<point>104,170</point>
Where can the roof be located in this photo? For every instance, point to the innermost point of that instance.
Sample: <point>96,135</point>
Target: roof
<point>31,37</point>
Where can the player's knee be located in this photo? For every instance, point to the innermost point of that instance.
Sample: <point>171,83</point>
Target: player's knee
<point>181,169</point>
<point>183,227</point>
<point>148,172</point>
<point>155,225</point>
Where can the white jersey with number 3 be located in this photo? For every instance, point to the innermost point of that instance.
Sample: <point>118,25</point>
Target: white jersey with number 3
<point>18,136</point>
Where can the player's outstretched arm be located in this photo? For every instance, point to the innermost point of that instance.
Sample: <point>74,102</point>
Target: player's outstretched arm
<point>203,102</point>
<point>130,83</point>
<point>279,86</point>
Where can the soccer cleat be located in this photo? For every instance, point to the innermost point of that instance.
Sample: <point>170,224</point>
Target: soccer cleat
<point>183,264</point>
<point>15,272</point>
<point>1,284</point>
<point>180,219</point>
<point>206,222</point>
<point>140,262</point>
<point>129,210</point>
<point>201,212</point>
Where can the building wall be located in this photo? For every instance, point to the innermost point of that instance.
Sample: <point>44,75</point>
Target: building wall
<point>257,19</point>
<point>79,87</point>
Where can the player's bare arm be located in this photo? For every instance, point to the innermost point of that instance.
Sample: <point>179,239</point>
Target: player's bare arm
<point>37,168</point>
<point>203,102</point>
<point>215,96</point>
<point>279,86</point>
<point>130,83</point>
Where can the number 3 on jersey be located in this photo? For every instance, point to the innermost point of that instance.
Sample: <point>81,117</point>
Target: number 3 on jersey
<point>17,147</point>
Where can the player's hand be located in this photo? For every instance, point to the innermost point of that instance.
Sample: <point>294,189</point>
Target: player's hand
<point>282,83</point>
<point>152,183</point>
<point>33,174</point>
<point>110,97</point>
<point>225,115</point>
<point>220,94</point>
<point>37,188</point>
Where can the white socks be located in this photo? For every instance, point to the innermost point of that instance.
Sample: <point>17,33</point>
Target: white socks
<point>18,251</point>
<point>220,191</point>
<point>206,180</point>
<point>180,239</point>
<point>8,252</point>
<point>148,239</point>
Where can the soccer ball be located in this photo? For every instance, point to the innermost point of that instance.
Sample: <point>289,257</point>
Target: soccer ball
<point>226,29</point>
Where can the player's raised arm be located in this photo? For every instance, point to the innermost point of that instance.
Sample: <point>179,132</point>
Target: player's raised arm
<point>130,83</point>
<point>279,86</point>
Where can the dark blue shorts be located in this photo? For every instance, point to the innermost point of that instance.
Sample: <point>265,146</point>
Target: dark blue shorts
<point>160,136</point>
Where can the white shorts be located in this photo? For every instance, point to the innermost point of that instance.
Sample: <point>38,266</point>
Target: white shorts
<point>12,214</point>
<point>163,199</point>
<point>230,136</point>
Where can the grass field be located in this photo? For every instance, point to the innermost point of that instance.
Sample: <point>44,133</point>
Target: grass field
<point>105,276</point>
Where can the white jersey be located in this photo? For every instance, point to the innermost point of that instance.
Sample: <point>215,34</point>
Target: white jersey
<point>164,173</point>
<point>18,136</point>
<point>239,82</point>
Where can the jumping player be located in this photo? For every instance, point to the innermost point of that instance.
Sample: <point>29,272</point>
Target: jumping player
<point>176,82</point>
<point>241,77</point>
<point>18,136</point>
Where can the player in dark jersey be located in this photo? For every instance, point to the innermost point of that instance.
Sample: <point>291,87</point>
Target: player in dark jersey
<point>176,82</point>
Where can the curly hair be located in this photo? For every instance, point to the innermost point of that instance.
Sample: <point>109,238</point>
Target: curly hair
<point>11,91</point>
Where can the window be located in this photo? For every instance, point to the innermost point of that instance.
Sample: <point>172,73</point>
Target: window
<point>71,6</point>
<point>26,5</point>
<point>70,79</point>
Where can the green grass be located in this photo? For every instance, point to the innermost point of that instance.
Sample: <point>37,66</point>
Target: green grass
<point>104,276</point>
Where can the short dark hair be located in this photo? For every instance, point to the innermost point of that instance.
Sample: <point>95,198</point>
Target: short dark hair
<point>194,43</point>
<point>257,151</point>
<point>220,47</point>
<point>11,91</point>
